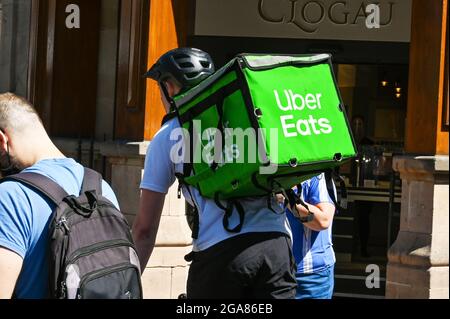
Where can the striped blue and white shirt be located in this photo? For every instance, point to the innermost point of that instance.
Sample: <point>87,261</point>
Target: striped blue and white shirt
<point>313,250</point>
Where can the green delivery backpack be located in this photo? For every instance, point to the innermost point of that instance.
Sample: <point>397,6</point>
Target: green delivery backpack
<point>261,125</point>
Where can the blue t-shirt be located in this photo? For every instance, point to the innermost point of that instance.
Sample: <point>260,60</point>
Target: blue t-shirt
<point>313,250</point>
<point>25,217</point>
<point>161,164</point>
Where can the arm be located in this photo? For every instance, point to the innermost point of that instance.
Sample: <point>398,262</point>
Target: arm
<point>10,267</point>
<point>323,215</point>
<point>146,224</point>
<point>159,175</point>
<point>319,202</point>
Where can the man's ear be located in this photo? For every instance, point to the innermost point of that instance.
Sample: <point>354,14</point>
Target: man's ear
<point>3,141</point>
<point>172,88</point>
<point>163,92</point>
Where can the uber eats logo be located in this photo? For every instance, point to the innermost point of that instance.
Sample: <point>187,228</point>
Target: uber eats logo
<point>290,102</point>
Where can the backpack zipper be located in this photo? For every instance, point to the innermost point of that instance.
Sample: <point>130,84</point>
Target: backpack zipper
<point>82,252</point>
<point>104,272</point>
<point>64,245</point>
<point>63,221</point>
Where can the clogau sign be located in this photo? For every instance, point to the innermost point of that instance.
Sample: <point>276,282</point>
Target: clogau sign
<point>380,20</point>
<point>308,16</point>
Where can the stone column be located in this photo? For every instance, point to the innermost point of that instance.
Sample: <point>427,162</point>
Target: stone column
<point>418,260</point>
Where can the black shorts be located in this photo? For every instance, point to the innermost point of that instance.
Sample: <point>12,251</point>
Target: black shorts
<point>253,265</point>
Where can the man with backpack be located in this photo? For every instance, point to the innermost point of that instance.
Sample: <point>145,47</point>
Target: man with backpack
<point>257,261</point>
<point>37,245</point>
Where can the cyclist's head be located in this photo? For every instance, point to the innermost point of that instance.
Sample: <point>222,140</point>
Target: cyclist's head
<point>186,67</point>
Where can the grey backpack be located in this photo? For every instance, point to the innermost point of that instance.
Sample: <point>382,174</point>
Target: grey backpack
<point>91,250</point>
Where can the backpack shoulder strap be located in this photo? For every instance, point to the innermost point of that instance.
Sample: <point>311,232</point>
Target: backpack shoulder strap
<point>331,189</point>
<point>40,183</point>
<point>168,117</point>
<point>92,181</point>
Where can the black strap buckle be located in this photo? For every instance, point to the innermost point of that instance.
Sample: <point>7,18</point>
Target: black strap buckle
<point>189,257</point>
<point>293,200</point>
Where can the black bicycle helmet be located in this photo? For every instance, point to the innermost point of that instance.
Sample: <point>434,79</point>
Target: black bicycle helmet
<point>189,66</point>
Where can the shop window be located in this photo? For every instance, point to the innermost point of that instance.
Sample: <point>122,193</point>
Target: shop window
<point>376,101</point>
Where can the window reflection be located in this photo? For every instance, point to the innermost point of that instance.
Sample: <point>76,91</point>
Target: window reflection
<point>375,99</point>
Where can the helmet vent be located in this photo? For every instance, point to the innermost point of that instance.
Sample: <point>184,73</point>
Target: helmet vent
<point>191,75</point>
<point>181,56</point>
<point>186,65</point>
<point>205,64</point>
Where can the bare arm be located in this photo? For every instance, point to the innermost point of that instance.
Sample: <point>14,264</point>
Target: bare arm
<point>323,215</point>
<point>146,225</point>
<point>10,267</point>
